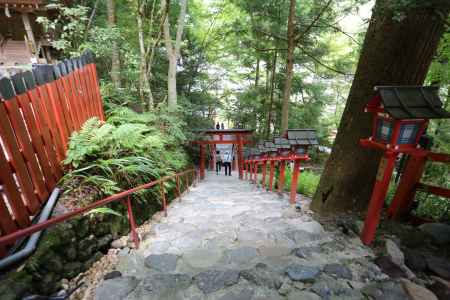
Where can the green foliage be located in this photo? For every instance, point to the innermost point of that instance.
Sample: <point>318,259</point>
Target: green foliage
<point>68,27</point>
<point>307,182</point>
<point>128,150</point>
<point>104,211</point>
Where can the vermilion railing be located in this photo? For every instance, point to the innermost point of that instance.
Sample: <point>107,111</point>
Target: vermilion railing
<point>123,196</point>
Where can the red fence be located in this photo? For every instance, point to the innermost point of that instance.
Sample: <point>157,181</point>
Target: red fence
<point>39,110</point>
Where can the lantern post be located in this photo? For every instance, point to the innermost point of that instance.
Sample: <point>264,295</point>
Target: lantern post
<point>299,140</point>
<point>400,117</point>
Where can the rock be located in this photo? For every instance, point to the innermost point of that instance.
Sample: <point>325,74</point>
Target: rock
<point>262,275</point>
<point>385,290</point>
<point>301,236</point>
<point>72,269</point>
<point>244,294</point>
<point>214,280</point>
<point>415,260</point>
<point>120,243</point>
<point>417,292</point>
<point>305,252</point>
<point>162,262</point>
<point>389,268</point>
<point>438,231</point>
<point>327,287</point>
<point>439,266</point>
<point>112,275</point>
<point>312,227</point>
<point>285,288</point>
<point>241,255</point>
<point>70,252</point>
<point>104,241</point>
<point>54,264</point>
<point>96,257</point>
<point>303,295</point>
<point>203,258</point>
<point>117,288</point>
<point>163,286</point>
<point>440,287</point>
<point>298,272</point>
<point>394,253</point>
<point>338,271</point>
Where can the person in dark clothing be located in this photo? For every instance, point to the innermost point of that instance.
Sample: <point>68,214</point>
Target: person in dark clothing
<point>222,127</point>
<point>217,126</point>
<point>227,159</point>
<point>218,162</point>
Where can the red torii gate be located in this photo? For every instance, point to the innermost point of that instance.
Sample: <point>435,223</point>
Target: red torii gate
<point>239,140</point>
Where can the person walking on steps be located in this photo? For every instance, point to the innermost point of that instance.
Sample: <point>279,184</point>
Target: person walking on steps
<point>227,159</point>
<point>218,162</point>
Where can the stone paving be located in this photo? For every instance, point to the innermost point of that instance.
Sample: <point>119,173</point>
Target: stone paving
<point>227,239</point>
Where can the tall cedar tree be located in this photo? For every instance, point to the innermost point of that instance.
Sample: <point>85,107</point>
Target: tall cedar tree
<point>115,59</point>
<point>396,51</point>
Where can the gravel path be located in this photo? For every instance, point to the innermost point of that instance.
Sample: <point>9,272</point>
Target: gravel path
<point>228,240</point>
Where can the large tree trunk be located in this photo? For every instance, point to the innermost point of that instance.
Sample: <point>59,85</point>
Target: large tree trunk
<point>173,52</point>
<point>115,59</point>
<point>289,67</point>
<point>272,91</point>
<point>395,52</point>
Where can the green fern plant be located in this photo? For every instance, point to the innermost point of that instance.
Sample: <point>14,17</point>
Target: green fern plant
<point>130,149</point>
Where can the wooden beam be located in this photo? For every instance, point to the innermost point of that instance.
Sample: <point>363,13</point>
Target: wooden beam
<point>30,35</point>
<point>435,190</point>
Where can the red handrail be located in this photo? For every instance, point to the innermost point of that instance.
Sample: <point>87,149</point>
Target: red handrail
<point>11,238</point>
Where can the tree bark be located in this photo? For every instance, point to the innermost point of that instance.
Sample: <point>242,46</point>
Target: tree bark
<point>289,67</point>
<point>395,52</point>
<point>257,72</point>
<point>115,59</point>
<point>272,90</point>
<point>173,52</point>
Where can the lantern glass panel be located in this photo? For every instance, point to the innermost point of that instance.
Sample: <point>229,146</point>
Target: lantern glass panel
<point>284,152</point>
<point>300,151</point>
<point>384,130</point>
<point>408,133</point>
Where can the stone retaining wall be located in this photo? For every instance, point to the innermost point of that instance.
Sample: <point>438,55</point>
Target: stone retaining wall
<point>70,248</point>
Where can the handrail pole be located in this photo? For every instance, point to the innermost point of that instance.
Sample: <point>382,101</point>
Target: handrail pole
<point>163,196</point>
<point>132,222</point>
<point>177,178</point>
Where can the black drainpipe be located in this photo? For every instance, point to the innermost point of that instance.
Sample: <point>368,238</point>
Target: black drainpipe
<point>34,238</point>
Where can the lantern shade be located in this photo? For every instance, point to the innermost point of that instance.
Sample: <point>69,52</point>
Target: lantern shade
<point>411,102</point>
<point>302,137</point>
<point>408,133</point>
<point>384,130</point>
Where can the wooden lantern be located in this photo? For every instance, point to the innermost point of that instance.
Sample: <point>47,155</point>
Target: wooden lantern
<point>400,117</point>
<point>300,140</point>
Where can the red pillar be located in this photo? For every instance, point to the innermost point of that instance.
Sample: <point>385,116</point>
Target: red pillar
<point>272,173</point>
<point>240,149</point>
<point>281,179</point>
<point>406,189</point>
<point>255,173</point>
<point>202,161</point>
<point>264,171</point>
<point>213,158</point>
<point>380,189</point>
<point>294,181</point>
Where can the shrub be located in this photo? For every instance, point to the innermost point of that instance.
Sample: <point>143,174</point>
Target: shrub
<point>129,149</point>
<point>307,182</point>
